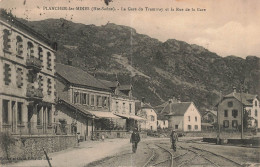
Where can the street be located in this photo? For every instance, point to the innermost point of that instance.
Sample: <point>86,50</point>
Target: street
<point>150,152</point>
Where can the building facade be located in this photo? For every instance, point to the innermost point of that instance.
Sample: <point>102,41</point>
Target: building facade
<point>150,117</point>
<point>182,116</point>
<point>27,85</point>
<point>123,105</point>
<point>231,106</point>
<point>85,102</point>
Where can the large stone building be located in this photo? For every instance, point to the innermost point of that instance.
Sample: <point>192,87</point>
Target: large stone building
<point>27,85</point>
<point>84,102</point>
<point>230,107</point>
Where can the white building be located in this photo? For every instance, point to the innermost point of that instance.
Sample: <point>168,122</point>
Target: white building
<point>183,116</point>
<point>148,113</point>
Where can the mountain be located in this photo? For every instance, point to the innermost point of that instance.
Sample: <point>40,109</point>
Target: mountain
<point>158,70</point>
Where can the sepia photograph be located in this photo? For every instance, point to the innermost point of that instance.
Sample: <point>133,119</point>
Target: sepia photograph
<point>129,83</point>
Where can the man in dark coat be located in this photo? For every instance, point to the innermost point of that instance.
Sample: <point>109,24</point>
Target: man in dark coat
<point>174,139</point>
<point>135,139</point>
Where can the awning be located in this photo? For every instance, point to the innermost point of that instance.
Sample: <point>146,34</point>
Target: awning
<point>130,117</point>
<point>102,114</point>
<point>137,117</point>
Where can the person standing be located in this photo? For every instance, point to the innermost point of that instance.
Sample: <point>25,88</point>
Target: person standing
<point>135,139</point>
<point>174,139</point>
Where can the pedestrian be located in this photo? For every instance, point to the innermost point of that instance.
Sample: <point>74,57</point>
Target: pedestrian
<point>174,139</point>
<point>78,137</point>
<point>135,139</point>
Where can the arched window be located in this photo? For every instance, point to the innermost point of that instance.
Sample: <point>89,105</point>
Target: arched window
<point>6,39</point>
<point>30,51</point>
<point>19,45</point>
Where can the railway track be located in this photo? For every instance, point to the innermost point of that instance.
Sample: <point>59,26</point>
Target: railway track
<point>211,158</point>
<point>157,158</point>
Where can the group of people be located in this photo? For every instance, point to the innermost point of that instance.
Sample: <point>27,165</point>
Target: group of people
<point>135,139</point>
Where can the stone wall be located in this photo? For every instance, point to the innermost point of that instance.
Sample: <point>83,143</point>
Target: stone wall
<point>31,147</point>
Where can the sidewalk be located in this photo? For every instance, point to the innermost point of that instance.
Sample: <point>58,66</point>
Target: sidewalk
<point>85,153</point>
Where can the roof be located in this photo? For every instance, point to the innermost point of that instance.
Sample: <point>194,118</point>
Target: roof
<point>245,98</point>
<point>110,84</point>
<point>177,109</point>
<point>85,111</point>
<point>79,77</point>
<point>135,117</point>
<point>146,105</point>
<point>11,20</point>
<point>210,111</point>
<point>125,87</point>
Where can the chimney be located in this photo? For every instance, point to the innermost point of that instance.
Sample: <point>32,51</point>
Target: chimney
<point>143,99</point>
<point>69,62</point>
<point>234,89</point>
<point>179,99</point>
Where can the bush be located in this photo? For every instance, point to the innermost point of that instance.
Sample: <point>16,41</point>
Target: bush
<point>6,141</point>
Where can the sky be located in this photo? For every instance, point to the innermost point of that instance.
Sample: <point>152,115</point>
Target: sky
<point>226,27</point>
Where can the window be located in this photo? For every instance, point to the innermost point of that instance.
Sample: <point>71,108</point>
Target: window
<point>234,113</point>
<point>92,100</point>
<point>152,118</point>
<point>40,54</point>
<point>38,115</point>
<point>256,112</point>
<point>188,118</point>
<point>7,40</point>
<point>49,86</point>
<point>30,51</point>
<point>49,60</point>
<point>84,98</point>
<point>176,126</point>
<point>196,119</point>
<point>226,113</point>
<point>117,106</point>
<point>256,103</point>
<point>189,127</point>
<point>19,78</point>
<point>249,112</point>
<point>7,74</point>
<point>5,111</point>
<point>130,108</point>
<point>164,123</point>
<point>196,127</point>
<point>76,97</point>
<point>87,99</point>
<point>19,46</point>
<point>40,82</point>
<point>123,107</point>
<point>49,115</point>
<point>226,124</point>
<point>104,101</point>
<point>234,123</point>
<point>19,112</point>
<point>98,101</point>
<point>230,104</point>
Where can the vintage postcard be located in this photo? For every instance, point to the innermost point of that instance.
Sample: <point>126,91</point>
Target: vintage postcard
<point>129,83</point>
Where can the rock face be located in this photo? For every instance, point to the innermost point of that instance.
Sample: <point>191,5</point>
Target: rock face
<point>175,68</point>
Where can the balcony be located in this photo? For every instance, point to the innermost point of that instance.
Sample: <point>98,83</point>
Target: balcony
<point>34,63</point>
<point>33,93</point>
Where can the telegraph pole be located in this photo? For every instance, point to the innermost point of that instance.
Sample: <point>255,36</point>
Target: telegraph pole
<point>242,112</point>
